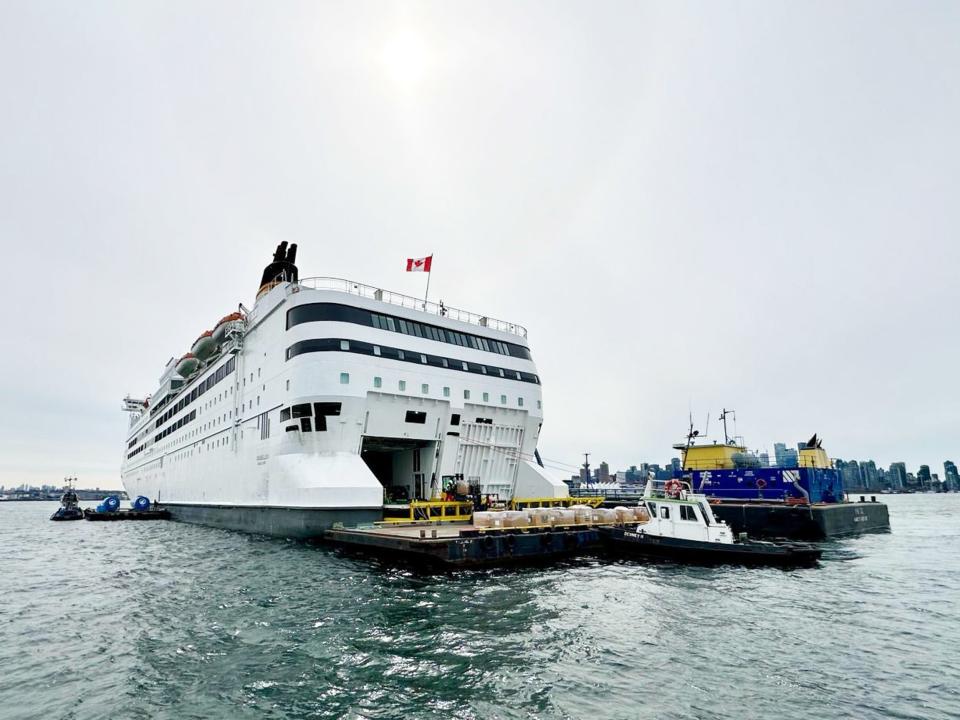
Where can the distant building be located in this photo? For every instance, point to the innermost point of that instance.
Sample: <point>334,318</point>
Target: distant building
<point>764,459</point>
<point>897,476</point>
<point>951,480</point>
<point>603,472</point>
<point>784,456</point>
<point>923,477</point>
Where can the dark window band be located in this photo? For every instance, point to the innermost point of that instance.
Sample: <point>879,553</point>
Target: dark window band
<point>410,356</point>
<point>334,312</point>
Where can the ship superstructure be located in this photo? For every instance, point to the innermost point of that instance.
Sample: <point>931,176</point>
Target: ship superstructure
<point>727,471</point>
<point>328,398</point>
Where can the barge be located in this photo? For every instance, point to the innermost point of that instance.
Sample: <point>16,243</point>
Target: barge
<point>805,501</point>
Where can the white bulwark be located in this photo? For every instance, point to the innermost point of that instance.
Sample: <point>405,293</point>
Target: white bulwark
<point>330,398</point>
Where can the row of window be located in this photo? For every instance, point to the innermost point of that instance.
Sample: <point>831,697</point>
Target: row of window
<point>390,353</point>
<point>686,512</point>
<point>200,388</point>
<point>189,417</point>
<point>425,389</point>
<point>334,312</point>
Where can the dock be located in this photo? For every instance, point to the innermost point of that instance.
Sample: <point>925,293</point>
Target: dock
<point>465,545</point>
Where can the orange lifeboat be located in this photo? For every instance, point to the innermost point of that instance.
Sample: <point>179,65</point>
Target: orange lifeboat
<point>187,365</point>
<point>204,346</point>
<point>225,323</point>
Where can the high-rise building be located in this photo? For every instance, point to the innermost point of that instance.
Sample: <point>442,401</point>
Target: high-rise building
<point>785,457</point>
<point>923,477</point>
<point>897,475</point>
<point>951,479</point>
<point>603,474</point>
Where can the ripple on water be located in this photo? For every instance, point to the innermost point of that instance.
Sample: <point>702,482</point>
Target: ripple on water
<point>163,620</point>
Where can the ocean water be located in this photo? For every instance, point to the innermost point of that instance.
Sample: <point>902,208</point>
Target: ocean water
<point>166,620</point>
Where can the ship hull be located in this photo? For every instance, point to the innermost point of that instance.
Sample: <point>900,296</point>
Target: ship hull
<point>637,543</point>
<point>286,522</point>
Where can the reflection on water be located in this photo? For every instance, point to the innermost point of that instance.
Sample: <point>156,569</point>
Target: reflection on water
<point>164,620</point>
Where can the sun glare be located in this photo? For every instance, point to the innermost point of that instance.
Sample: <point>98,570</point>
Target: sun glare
<point>406,59</point>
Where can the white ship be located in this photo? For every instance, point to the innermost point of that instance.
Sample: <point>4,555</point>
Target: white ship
<point>329,398</point>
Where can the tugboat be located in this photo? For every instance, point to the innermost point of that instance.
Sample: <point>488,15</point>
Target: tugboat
<point>682,527</point>
<point>69,503</point>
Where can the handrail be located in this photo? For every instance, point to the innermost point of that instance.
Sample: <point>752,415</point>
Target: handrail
<point>412,303</point>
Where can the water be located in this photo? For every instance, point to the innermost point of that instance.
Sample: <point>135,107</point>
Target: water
<point>165,620</point>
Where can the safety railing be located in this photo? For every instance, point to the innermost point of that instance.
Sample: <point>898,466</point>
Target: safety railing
<point>411,303</point>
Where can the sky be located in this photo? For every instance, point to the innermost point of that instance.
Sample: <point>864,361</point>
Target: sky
<point>690,206</point>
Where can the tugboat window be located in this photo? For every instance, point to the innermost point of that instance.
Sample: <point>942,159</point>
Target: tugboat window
<point>305,424</point>
<point>665,513</point>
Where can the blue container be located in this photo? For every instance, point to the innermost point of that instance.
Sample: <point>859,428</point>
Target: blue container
<point>111,503</point>
<point>141,503</point>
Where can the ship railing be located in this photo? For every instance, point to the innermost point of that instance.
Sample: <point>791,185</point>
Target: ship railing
<point>411,303</point>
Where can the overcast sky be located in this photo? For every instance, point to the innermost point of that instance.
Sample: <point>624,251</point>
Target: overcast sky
<point>689,205</point>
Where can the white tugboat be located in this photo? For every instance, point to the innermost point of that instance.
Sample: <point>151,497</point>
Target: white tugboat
<point>682,526</point>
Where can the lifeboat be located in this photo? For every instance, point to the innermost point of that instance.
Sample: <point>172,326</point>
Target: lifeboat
<point>204,346</point>
<point>187,365</point>
<point>221,328</point>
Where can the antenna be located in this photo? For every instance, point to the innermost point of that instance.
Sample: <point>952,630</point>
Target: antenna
<point>723,417</point>
<point>706,430</point>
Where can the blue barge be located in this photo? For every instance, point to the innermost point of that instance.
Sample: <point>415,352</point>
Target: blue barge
<point>804,502</point>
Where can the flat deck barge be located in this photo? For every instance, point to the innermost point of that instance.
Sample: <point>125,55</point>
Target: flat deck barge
<point>465,545</point>
<point>126,515</point>
<point>803,522</point>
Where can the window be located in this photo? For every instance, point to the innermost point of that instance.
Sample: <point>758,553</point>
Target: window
<point>415,416</point>
<point>344,378</point>
<point>378,382</point>
<point>326,408</point>
<point>486,397</point>
<point>653,509</point>
<point>291,428</point>
<point>376,350</point>
<point>455,419</point>
<point>503,399</point>
<point>284,414</point>
<point>402,384</point>
<point>305,424</point>
<point>446,392</point>
<point>302,410</point>
<point>539,404</point>
<point>664,512</point>
<point>519,402</point>
<point>687,513</point>
<point>288,384</point>
<point>425,389</point>
<point>466,394</point>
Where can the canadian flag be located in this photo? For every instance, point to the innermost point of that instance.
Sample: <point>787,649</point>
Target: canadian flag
<point>419,264</point>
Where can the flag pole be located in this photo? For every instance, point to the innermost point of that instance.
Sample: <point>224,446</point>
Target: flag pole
<point>427,293</point>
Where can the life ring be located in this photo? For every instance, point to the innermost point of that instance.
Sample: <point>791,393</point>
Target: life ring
<point>672,488</point>
<point>761,483</point>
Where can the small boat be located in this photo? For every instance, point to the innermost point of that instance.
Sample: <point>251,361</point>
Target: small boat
<point>682,527</point>
<point>69,504</point>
